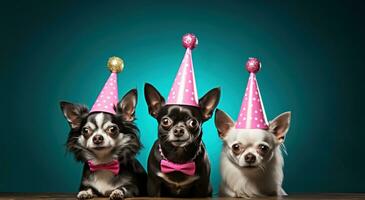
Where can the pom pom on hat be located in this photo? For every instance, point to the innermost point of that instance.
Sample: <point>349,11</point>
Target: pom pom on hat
<point>253,65</point>
<point>190,41</point>
<point>115,64</point>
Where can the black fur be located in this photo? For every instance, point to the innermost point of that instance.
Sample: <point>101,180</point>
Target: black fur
<point>199,184</point>
<point>130,168</point>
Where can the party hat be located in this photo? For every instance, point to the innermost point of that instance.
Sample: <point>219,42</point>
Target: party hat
<point>252,114</point>
<point>108,97</point>
<point>183,91</point>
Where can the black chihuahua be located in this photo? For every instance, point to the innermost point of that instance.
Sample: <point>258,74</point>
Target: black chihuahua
<point>178,165</point>
<point>107,145</point>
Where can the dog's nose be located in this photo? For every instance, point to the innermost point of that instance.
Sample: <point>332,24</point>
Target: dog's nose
<point>250,158</point>
<point>98,139</point>
<point>178,132</point>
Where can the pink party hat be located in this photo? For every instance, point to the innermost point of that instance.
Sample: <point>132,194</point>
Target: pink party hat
<point>183,91</point>
<point>108,97</point>
<point>252,114</point>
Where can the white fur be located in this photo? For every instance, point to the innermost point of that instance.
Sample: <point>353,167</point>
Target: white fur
<point>239,181</point>
<point>85,194</point>
<point>117,194</point>
<point>99,118</point>
<point>102,181</point>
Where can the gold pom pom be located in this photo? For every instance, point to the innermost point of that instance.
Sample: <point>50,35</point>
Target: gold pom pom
<point>115,64</point>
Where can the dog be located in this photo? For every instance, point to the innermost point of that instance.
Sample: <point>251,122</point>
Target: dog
<point>251,159</point>
<point>178,164</point>
<point>107,144</point>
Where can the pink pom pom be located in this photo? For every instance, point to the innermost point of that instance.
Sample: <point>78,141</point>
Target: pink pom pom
<point>190,41</point>
<point>253,65</point>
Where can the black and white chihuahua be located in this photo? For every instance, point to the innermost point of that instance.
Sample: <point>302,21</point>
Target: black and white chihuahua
<point>107,145</point>
<point>178,165</point>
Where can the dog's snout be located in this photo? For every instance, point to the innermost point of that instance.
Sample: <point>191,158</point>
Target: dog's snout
<point>178,131</point>
<point>250,158</point>
<point>98,139</point>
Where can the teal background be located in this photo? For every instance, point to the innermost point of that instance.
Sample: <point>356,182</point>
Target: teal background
<point>312,55</point>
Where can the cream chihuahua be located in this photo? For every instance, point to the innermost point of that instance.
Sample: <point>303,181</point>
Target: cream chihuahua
<point>251,159</point>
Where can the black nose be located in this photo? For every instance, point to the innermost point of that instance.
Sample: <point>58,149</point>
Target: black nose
<point>179,131</point>
<point>250,158</point>
<point>98,139</point>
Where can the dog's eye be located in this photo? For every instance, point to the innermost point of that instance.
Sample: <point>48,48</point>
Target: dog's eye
<point>262,149</point>
<point>86,131</point>
<point>166,122</point>
<point>192,123</point>
<point>112,130</point>
<point>237,148</point>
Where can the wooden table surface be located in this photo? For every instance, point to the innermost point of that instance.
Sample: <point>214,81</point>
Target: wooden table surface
<point>63,196</point>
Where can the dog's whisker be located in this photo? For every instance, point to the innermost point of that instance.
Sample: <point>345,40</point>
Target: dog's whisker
<point>262,168</point>
<point>283,148</point>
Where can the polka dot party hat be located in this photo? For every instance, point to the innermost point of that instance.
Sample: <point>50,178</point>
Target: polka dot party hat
<point>108,97</point>
<point>252,114</point>
<point>183,91</point>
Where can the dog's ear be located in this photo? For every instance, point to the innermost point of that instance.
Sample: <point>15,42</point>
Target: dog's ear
<point>209,102</point>
<point>74,113</point>
<point>154,99</point>
<point>223,122</point>
<point>280,126</point>
<point>126,107</point>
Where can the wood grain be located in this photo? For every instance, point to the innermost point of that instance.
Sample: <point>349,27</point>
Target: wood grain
<point>69,196</point>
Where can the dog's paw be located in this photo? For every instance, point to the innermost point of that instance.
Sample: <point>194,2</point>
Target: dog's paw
<point>116,195</point>
<point>85,194</point>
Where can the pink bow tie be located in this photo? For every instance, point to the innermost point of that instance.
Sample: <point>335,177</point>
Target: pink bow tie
<point>113,166</point>
<point>186,168</point>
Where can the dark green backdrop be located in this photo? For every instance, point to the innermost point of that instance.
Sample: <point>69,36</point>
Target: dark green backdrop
<point>312,55</point>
